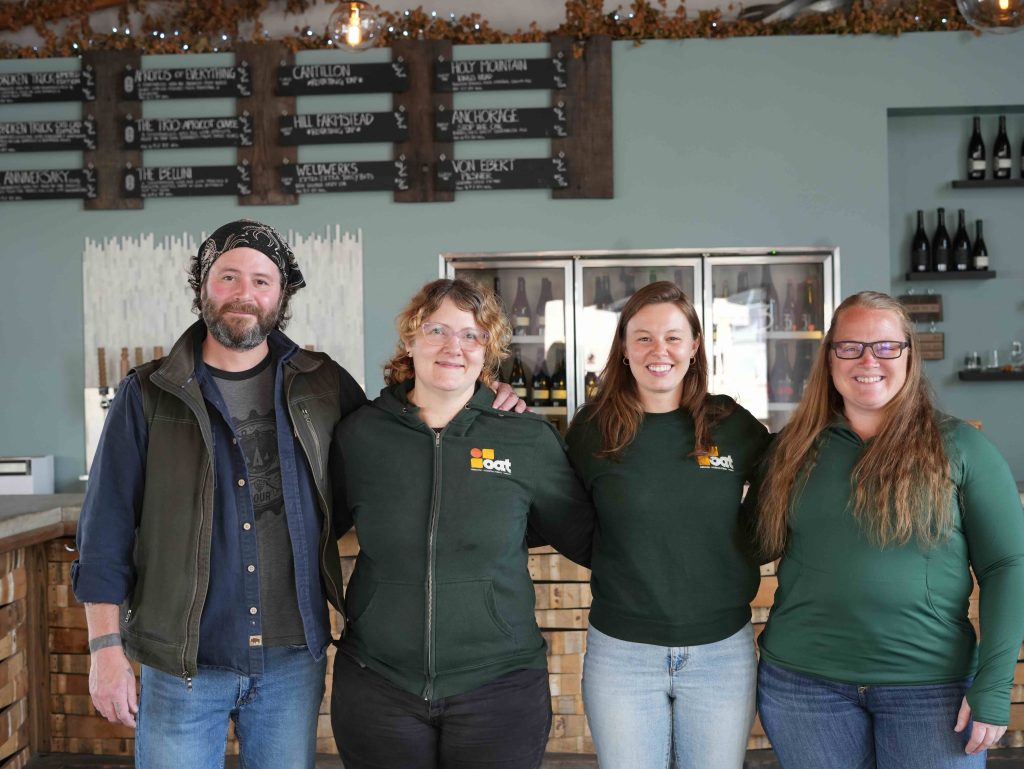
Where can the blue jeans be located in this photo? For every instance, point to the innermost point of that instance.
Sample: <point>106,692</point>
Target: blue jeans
<point>818,724</point>
<point>275,715</point>
<point>648,704</point>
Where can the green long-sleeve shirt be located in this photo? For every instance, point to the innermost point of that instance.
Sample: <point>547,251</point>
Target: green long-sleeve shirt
<point>847,610</point>
<point>668,566</point>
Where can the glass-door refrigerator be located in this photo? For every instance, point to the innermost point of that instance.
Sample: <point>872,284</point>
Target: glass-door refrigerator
<point>765,316</point>
<point>537,293</point>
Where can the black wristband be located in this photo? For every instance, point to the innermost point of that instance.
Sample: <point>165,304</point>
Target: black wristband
<point>103,641</point>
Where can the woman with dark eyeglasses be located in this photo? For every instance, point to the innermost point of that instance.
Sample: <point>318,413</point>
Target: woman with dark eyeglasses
<point>880,507</point>
<point>443,664</point>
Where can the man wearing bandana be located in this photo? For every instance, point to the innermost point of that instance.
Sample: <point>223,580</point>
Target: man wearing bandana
<point>205,544</point>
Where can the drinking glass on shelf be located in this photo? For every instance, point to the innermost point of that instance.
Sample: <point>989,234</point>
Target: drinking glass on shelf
<point>972,361</point>
<point>1016,353</point>
<point>992,360</point>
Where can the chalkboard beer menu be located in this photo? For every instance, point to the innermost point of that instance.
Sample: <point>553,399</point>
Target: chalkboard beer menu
<point>21,87</point>
<point>501,173</point>
<point>179,181</point>
<point>499,74</point>
<point>185,132</point>
<point>48,184</point>
<point>47,135</point>
<point>186,83</point>
<point>362,176</point>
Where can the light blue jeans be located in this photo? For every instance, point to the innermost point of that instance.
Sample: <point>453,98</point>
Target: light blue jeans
<point>275,715</point>
<point>648,705</point>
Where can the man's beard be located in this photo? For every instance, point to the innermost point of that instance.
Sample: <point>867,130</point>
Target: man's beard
<point>231,332</point>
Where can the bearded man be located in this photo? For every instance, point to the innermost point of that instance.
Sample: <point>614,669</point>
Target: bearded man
<point>205,544</point>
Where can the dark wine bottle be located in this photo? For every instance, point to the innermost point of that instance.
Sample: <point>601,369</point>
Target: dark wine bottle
<point>961,246</point>
<point>497,293</point>
<point>542,304</point>
<point>517,376</point>
<point>652,276</point>
<point>802,370</point>
<point>773,320</point>
<point>1022,159</point>
<point>559,387</point>
<point>521,310</point>
<point>1001,161</point>
<point>808,301</point>
<point>789,309</point>
<point>628,280</point>
<point>920,248</point>
<point>780,381</point>
<point>541,385</point>
<point>976,153</point>
<point>742,282</point>
<point>590,385</point>
<point>941,245</point>
<point>979,256</point>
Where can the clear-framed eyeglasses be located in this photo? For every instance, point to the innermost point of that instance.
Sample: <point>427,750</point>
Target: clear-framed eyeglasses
<point>439,334</point>
<point>884,350</point>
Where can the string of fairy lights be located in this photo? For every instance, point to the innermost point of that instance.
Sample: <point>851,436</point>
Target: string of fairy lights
<point>216,25</point>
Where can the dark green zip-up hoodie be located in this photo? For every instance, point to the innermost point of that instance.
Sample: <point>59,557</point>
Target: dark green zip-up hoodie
<point>441,600</point>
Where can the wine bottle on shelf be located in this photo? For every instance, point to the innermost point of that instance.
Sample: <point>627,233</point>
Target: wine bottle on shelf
<point>1022,159</point>
<point>521,310</point>
<point>961,245</point>
<point>802,370</point>
<point>559,387</point>
<point>979,256</point>
<point>941,245</point>
<point>497,292</point>
<point>726,291</point>
<point>542,305</point>
<point>976,153</point>
<point>678,278</point>
<point>808,311</point>
<point>517,376</point>
<point>590,385</point>
<point>780,381</point>
<point>789,309</point>
<point>541,385</point>
<point>652,276</point>
<point>742,282</point>
<point>628,282</point>
<point>773,320</point>
<point>1001,161</point>
<point>920,248</point>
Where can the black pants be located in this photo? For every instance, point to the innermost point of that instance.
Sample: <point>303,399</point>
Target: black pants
<point>501,725</point>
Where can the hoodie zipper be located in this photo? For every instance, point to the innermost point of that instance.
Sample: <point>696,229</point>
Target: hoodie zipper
<point>316,441</point>
<point>435,511</point>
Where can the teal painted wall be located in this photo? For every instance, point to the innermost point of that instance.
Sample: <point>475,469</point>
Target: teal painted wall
<point>773,141</point>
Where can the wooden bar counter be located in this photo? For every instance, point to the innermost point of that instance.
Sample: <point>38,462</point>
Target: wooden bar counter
<point>44,659</point>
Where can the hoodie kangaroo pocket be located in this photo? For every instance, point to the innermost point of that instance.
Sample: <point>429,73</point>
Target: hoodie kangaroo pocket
<point>470,630</point>
<point>390,624</point>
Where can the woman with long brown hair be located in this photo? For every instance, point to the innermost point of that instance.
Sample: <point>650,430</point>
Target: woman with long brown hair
<point>443,664</point>
<point>669,671</point>
<point>880,506</point>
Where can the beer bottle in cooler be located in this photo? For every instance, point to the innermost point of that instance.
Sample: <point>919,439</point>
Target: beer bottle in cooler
<point>517,377</point>
<point>559,386</point>
<point>541,384</point>
<point>541,316</point>
<point>521,316</point>
<point>780,381</point>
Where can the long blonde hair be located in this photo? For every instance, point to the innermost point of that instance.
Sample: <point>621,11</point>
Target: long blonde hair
<point>617,408</point>
<point>466,295</point>
<point>901,483</point>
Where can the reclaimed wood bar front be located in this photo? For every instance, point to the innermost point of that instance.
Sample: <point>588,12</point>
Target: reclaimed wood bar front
<point>44,658</point>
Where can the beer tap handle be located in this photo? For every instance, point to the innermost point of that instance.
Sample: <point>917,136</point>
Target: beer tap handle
<point>101,361</point>
<point>124,362</point>
<point>139,360</point>
<point>158,352</point>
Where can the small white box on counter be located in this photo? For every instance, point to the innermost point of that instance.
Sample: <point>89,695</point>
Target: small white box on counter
<point>26,475</point>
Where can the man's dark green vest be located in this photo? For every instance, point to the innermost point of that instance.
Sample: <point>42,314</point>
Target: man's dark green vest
<point>160,626</point>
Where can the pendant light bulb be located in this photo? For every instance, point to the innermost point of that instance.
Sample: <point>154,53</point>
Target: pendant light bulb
<point>354,25</point>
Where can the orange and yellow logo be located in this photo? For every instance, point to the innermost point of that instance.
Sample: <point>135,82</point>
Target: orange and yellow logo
<point>483,459</point>
<point>712,460</point>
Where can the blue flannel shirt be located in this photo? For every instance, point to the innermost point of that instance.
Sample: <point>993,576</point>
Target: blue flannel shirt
<point>106,527</point>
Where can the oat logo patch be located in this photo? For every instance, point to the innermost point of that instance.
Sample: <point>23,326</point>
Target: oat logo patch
<point>712,461</point>
<point>483,460</point>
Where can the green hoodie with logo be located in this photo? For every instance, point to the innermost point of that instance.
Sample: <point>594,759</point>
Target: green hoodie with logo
<point>669,563</point>
<point>847,610</point>
<point>441,600</point>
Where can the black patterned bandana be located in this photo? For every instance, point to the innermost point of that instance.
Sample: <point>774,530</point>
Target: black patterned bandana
<point>246,233</point>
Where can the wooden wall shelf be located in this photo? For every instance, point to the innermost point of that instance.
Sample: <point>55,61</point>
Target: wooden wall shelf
<point>954,275</point>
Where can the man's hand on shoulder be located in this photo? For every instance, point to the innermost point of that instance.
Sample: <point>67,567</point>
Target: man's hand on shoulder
<point>505,398</point>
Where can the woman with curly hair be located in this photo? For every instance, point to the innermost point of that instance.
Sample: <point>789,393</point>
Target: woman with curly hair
<point>880,507</point>
<point>670,668</point>
<point>443,664</point>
